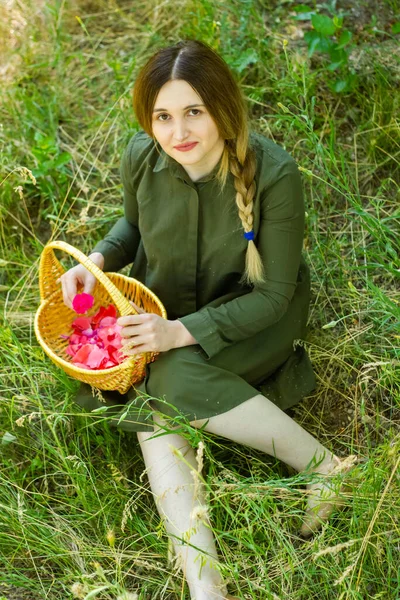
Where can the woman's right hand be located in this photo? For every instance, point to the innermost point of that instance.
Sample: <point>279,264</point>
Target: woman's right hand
<point>79,276</point>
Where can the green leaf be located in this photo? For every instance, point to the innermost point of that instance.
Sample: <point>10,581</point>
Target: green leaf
<point>123,416</point>
<point>396,27</point>
<point>335,65</point>
<point>304,16</point>
<point>344,85</point>
<point>45,142</point>
<point>323,24</point>
<point>96,592</point>
<point>303,12</point>
<point>246,58</point>
<point>340,85</point>
<point>8,438</point>
<point>316,41</point>
<point>313,40</point>
<point>338,59</point>
<point>62,159</point>
<point>337,21</point>
<point>330,325</point>
<point>301,8</point>
<point>344,39</point>
<point>99,410</point>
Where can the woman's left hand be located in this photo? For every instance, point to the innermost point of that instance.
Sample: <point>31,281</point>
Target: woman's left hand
<point>147,332</point>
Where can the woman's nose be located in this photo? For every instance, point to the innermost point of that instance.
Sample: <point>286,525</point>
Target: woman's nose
<point>181,130</point>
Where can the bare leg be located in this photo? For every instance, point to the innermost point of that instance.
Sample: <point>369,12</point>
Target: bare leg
<point>173,474</point>
<point>260,424</point>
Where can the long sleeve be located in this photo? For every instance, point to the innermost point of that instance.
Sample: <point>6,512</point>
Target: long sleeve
<point>279,241</point>
<point>120,245</point>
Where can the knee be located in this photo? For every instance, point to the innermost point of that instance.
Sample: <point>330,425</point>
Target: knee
<point>159,425</point>
<point>198,423</point>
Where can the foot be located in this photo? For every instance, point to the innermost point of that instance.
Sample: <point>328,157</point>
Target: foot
<point>326,495</point>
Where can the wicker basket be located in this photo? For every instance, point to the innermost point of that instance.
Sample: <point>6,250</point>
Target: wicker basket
<point>53,318</point>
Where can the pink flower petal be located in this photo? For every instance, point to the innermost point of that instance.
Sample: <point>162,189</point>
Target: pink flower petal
<point>102,335</point>
<point>74,338</point>
<point>83,354</point>
<point>96,357</point>
<point>115,354</point>
<point>81,323</point>
<point>107,322</point>
<point>111,311</point>
<point>98,316</point>
<point>88,332</point>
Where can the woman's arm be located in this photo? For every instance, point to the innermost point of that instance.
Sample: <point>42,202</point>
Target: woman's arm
<point>120,245</point>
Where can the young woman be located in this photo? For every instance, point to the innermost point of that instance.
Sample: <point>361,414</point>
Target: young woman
<point>213,223</point>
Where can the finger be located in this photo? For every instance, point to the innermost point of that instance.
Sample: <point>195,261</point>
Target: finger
<point>130,320</point>
<point>66,299</point>
<point>132,332</point>
<point>135,350</point>
<point>89,286</point>
<point>70,286</point>
<point>131,343</point>
<point>140,310</point>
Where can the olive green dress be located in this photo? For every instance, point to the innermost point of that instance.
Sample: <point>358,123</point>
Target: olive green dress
<point>185,240</point>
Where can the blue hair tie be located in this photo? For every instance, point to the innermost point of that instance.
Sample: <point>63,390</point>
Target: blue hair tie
<point>249,235</point>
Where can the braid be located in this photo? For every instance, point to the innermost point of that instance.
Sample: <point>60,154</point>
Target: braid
<point>245,187</point>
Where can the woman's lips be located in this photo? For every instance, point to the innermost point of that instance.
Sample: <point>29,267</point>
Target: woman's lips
<point>186,147</point>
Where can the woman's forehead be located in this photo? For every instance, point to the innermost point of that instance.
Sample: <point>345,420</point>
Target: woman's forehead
<point>177,94</point>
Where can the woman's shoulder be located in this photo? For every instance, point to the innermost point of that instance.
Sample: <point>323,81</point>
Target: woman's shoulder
<point>140,154</point>
<point>269,150</point>
<point>273,161</point>
<point>139,147</point>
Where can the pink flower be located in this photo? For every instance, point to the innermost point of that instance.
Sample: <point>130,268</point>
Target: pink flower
<point>82,303</point>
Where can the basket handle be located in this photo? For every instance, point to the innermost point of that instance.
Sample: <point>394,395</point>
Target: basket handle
<point>50,269</point>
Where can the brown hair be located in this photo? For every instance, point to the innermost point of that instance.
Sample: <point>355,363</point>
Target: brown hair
<point>207,73</point>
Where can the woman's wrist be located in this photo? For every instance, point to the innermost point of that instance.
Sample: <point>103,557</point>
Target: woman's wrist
<point>98,259</point>
<point>182,335</point>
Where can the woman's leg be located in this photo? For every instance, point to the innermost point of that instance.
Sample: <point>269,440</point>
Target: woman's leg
<point>173,474</point>
<point>260,424</point>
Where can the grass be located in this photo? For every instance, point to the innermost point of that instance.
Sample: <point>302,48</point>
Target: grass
<point>77,517</point>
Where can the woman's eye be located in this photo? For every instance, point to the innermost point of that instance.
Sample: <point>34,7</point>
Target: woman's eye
<point>196,110</point>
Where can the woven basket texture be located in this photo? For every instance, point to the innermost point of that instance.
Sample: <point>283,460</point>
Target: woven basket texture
<point>53,318</point>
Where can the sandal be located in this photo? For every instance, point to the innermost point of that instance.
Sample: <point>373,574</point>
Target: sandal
<point>325,497</point>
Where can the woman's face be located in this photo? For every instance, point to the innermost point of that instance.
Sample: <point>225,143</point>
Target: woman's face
<point>179,118</point>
